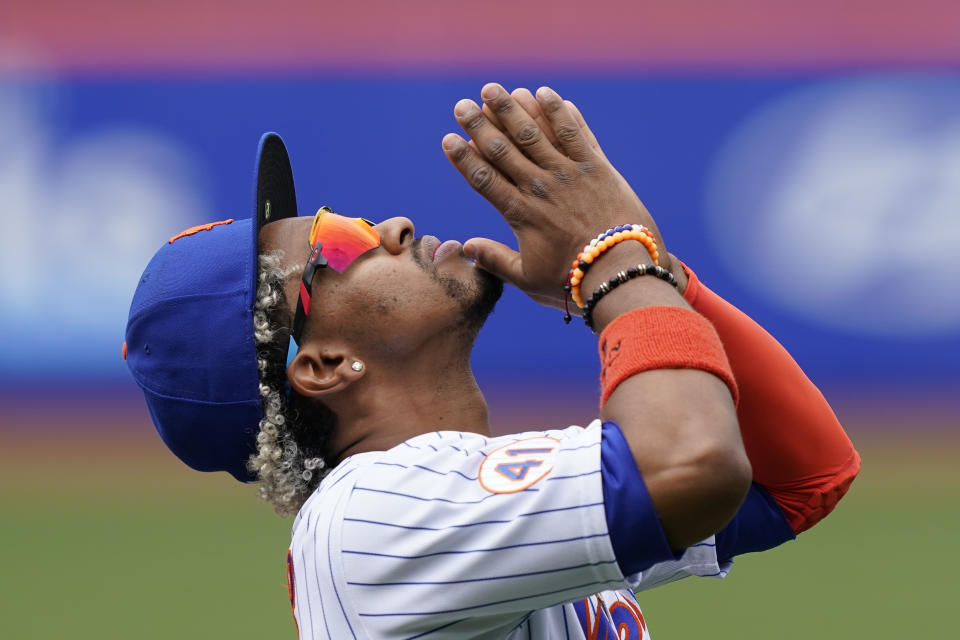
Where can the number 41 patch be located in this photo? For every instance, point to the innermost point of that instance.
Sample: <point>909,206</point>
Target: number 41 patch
<point>518,465</point>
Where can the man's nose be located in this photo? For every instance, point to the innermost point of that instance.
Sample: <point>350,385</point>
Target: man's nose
<point>396,234</point>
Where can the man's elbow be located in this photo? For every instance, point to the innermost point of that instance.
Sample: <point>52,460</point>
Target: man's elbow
<point>704,491</point>
<point>728,473</point>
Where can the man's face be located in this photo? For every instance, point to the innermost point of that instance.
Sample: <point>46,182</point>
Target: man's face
<point>394,299</point>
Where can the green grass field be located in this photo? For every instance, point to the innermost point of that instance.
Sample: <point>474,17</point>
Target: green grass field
<point>110,537</point>
<point>883,565</point>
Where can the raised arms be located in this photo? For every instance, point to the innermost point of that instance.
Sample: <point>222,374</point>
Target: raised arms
<point>680,424</point>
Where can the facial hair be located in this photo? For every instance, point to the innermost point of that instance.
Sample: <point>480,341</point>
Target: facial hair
<point>477,297</point>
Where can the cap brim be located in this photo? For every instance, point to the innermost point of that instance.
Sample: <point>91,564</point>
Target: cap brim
<point>275,197</point>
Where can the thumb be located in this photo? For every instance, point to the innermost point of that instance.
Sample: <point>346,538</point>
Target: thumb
<point>495,257</point>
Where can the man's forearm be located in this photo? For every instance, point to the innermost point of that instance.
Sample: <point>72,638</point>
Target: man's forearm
<point>679,422</point>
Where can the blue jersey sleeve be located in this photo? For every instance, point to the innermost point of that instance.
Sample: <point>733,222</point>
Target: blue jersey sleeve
<point>637,538</point>
<point>635,532</point>
<point>759,525</point>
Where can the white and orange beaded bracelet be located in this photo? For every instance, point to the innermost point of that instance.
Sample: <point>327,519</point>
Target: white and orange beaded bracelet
<point>597,246</point>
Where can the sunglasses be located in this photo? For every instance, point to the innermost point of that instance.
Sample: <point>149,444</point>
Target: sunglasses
<point>335,242</point>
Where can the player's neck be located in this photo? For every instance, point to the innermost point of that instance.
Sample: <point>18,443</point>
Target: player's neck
<point>395,406</point>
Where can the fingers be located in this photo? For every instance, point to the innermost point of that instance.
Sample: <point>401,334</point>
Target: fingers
<point>531,106</point>
<point>481,175</point>
<point>497,258</point>
<point>523,130</point>
<point>529,103</point>
<point>526,100</point>
<point>492,117</point>
<point>587,133</point>
<point>492,143</point>
<point>571,137</point>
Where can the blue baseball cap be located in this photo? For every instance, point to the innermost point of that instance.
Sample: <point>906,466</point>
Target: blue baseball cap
<point>189,339</point>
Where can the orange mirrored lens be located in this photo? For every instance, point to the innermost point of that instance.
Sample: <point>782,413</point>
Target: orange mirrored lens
<point>343,239</point>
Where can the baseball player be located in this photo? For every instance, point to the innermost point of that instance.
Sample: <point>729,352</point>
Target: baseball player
<point>327,357</point>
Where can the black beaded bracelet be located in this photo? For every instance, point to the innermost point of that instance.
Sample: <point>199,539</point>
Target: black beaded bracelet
<point>619,279</point>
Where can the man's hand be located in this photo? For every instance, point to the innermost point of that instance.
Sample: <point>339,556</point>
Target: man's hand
<point>536,160</point>
<point>523,96</point>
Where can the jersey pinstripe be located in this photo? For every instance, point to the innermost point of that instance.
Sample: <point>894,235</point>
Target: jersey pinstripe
<point>427,540</point>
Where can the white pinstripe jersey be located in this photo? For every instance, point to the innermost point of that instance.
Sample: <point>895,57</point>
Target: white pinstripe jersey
<point>454,535</point>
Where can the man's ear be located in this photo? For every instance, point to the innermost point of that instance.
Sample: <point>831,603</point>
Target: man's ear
<point>315,371</point>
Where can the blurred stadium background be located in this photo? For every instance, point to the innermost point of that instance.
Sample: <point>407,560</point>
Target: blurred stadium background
<point>804,158</point>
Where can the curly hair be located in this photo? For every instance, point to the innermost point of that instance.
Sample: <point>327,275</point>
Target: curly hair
<point>291,443</point>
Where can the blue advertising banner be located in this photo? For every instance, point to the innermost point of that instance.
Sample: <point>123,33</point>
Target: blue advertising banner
<point>824,205</point>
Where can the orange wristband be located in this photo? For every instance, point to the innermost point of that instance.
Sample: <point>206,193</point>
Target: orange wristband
<point>661,338</point>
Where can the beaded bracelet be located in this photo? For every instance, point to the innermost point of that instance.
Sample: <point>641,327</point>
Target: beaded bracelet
<point>601,243</point>
<point>619,279</point>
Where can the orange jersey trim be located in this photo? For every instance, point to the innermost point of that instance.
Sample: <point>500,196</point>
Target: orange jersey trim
<point>291,590</point>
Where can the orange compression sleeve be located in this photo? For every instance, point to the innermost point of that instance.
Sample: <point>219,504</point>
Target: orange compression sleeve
<point>798,450</point>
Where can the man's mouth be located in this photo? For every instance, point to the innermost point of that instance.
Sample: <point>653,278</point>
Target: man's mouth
<point>448,248</point>
<point>439,251</point>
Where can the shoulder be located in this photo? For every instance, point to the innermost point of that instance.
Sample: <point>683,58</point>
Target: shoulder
<point>448,458</point>
<point>454,468</point>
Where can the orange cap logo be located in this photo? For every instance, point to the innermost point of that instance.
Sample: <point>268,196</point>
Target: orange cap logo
<point>198,229</point>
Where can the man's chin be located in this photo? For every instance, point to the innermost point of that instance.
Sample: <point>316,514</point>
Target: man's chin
<point>476,291</point>
<point>489,288</point>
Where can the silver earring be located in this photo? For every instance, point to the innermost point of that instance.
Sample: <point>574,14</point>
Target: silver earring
<point>357,365</point>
